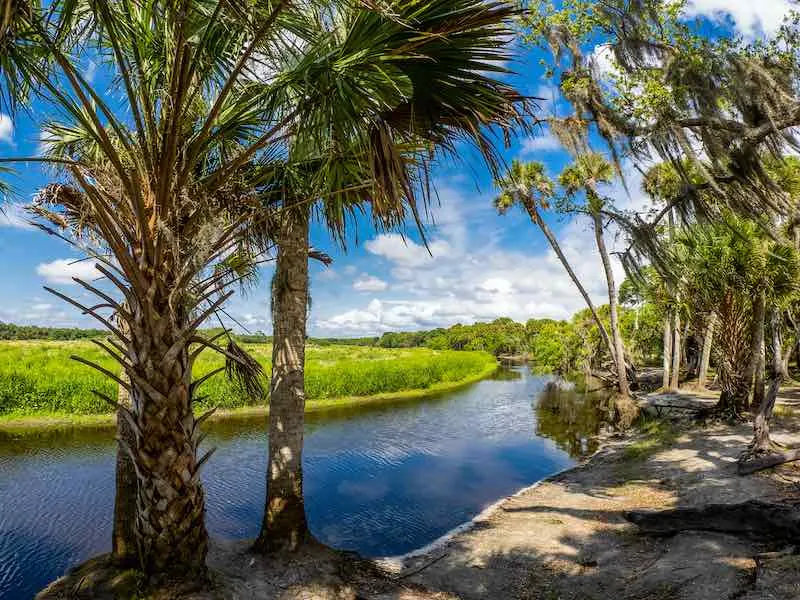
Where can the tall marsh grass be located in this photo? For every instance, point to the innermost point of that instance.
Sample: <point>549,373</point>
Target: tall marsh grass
<point>38,377</point>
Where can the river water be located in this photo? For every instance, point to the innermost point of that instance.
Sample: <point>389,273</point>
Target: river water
<point>380,481</point>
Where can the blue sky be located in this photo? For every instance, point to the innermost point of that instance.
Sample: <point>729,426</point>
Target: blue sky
<point>483,265</point>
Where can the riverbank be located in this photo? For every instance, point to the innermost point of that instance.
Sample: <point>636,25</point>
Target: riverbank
<point>30,424</point>
<point>565,537</point>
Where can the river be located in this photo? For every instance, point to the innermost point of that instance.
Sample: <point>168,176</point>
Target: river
<point>380,481</point>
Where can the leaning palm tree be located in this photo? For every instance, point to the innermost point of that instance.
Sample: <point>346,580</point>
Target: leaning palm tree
<point>528,186</point>
<point>583,176</point>
<point>423,73</point>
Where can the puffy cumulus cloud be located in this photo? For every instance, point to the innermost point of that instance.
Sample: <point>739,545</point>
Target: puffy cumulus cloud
<point>407,253</point>
<point>474,275</point>
<point>480,286</point>
<point>541,144</point>
<point>749,17</point>
<point>6,129</point>
<point>36,312</point>
<point>62,270</point>
<point>14,215</point>
<point>369,283</point>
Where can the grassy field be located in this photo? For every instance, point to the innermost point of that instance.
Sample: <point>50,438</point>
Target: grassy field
<point>38,378</point>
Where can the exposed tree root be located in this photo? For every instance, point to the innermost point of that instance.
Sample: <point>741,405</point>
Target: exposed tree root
<point>750,463</point>
<point>753,519</point>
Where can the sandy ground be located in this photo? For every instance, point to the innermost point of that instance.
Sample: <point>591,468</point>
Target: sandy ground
<point>565,539</point>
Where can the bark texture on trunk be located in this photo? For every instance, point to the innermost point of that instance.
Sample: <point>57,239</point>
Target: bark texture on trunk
<point>759,386</point>
<point>676,352</point>
<point>756,343</point>
<point>732,350</point>
<point>761,441</point>
<point>705,358</point>
<point>667,362</point>
<point>285,526</point>
<point>619,346</point>
<point>787,357</point>
<point>124,547</point>
<point>170,512</point>
<point>551,238</point>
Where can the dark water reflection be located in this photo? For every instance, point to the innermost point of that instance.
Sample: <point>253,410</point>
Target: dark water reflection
<point>380,481</point>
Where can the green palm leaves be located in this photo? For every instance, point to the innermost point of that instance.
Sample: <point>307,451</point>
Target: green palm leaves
<point>523,183</point>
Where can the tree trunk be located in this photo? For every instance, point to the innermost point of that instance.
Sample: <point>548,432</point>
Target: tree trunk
<point>667,350</point>
<point>787,356</point>
<point>705,358</point>
<point>676,351</point>
<point>124,548</point>
<point>619,347</point>
<point>756,340</point>
<point>170,526</point>
<point>285,526</point>
<point>761,441</point>
<point>733,349</point>
<point>759,388</point>
<point>548,233</point>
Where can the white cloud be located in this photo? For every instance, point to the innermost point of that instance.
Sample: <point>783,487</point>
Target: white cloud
<point>749,17</point>
<point>14,215</point>
<point>407,253</point>
<point>480,281</point>
<point>91,71</point>
<point>41,307</point>
<point>6,129</point>
<point>368,283</point>
<point>602,61</point>
<point>541,144</point>
<point>62,270</point>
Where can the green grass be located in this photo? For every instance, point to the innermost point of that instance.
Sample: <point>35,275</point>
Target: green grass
<point>654,435</point>
<point>38,378</point>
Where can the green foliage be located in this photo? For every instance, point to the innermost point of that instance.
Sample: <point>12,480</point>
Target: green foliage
<point>501,336</point>
<point>9,331</point>
<point>40,378</point>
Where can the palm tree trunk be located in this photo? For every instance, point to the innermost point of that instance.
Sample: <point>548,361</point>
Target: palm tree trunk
<point>285,526</point>
<point>705,358</point>
<point>123,540</point>
<point>619,347</point>
<point>548,234</point>
<point>170,526</point>
<point>676,351</point>
<point>667,362</point>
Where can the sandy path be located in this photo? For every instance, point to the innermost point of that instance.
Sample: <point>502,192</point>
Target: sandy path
<point>567,539</point>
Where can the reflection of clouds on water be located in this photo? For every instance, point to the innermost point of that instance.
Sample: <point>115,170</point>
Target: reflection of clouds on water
<point>368,490</point>
<point>381,481</point>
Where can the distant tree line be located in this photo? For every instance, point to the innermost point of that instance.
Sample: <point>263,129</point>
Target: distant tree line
<point>551,345</point>
<point>9,331</point>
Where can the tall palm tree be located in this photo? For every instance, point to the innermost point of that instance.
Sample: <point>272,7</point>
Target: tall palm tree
<point>584,175</point>
<point>528,186</point>
<point>179,169</point>
<point>415,104</point>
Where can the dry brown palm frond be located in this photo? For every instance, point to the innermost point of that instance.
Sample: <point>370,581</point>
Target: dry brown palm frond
<point>245,371</point>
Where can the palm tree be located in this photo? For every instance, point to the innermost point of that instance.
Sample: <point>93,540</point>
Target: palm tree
<point>415,104</point>
<point>584,175</point>
<point>528,186</point>
<point>176,180</point>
